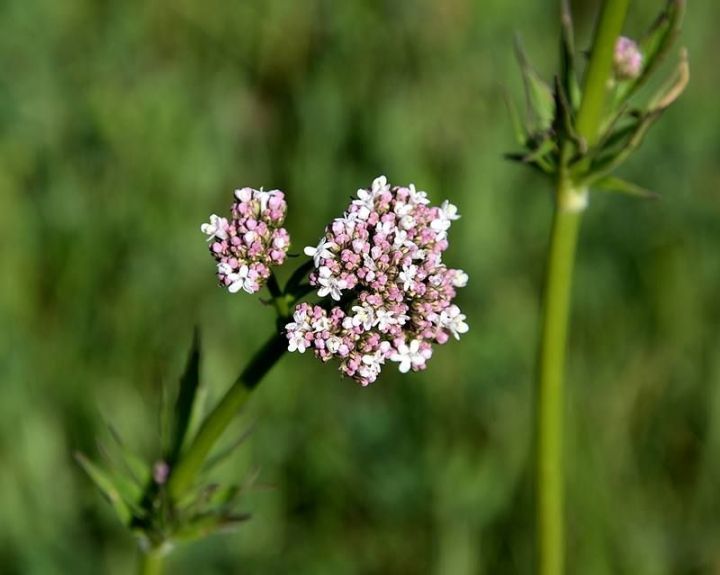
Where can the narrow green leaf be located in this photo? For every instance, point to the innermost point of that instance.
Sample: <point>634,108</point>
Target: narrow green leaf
<point>620,186</point>
<point>656,43</point>
<point>565,119</point>
<point>521,134</point>
<point>674,87</point>
<point>568,72</point>
<point>207,524</point>
<point>135,466</point>
<point>229,450</point>
<point>104,482</point>
<point>185,400</point>
<point>537,92</point>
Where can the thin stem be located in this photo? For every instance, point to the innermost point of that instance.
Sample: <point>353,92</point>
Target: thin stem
<point>550,486</point>
<point>592,106</point>
<point>217,421</point>
<point>151,562</point>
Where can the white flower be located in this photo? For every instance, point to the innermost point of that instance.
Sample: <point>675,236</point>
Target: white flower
<point>448,213</point>
<point>333,344</point>
<point>386,318</point>
<point>410,355</point>
<point>417,197</point>
<point>380,185</point>
<point>460,279</point>
<point>364,316</point>
<point>400,238</point>
<point>321,252</point>
<point>370,366</point>
<point>296,339</point>
<point>263,198</point>
<point>329,284</point>
<point>385,228</point>
<point>321,324</point>
<point>216,228</point>
<point>242,279</point>
<point>407,222</point>
<point>244,194</point>
<point>403,209</point>
<point>454,321</point>
<point>407,276</point>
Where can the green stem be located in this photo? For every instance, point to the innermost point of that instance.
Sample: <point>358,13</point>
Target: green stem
<point>550,486</point>
<point>570,202</point>
<point>192,460</point>
<point>592,106</point>
<point>151,562</point>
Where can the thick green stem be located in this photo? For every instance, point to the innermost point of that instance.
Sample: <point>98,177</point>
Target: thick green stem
<point>192,460</point>
<point>550,487</point>
<point>151,562</point>
<point>599,70</point>
<point>570,202</point>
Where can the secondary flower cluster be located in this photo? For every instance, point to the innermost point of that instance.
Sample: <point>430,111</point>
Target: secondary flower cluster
<point>381,264</point>
<point>246,246</point>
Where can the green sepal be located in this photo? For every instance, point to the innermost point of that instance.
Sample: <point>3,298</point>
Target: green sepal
<point>620,186</point>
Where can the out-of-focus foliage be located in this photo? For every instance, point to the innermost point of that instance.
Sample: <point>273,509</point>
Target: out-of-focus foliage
<point>123,124</point>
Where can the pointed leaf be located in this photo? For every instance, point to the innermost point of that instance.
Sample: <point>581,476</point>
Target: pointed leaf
<point>620,186</point>
<point>185,400</point>
<point>229,450</point>
<point>521,134</point>
<point>207,524</point>
<point>537,92</point>
<point>674,87</point>
<point>104,482</point>
<point>134,465</point>
<point>657,43</point>
<point>568,73</point>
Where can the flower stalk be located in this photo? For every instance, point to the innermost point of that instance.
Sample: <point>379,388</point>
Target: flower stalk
<point>570,202</point>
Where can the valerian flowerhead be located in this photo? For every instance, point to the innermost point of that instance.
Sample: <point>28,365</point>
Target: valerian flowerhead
<point>390,294</point>
<point>627,59</point>
<point>246,246</point>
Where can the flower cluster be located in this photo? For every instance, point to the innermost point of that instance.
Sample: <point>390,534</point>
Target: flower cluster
<point>391,294</point>
<point>627,59</point>
<point>246,246</point>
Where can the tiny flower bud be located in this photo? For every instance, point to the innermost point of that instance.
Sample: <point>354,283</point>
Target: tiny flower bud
<point>161,471</point>
<point>628,59</point>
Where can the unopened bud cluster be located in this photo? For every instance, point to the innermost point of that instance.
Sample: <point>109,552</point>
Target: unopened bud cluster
<point>381,264</point>
<point>251,241</point>
<point>627,59</point>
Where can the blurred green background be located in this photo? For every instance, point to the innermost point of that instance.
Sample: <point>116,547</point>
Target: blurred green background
<point>124,124</point>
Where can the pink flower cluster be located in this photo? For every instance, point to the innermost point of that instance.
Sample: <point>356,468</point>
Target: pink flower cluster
<point>391,294</point>
<point>246,246</point>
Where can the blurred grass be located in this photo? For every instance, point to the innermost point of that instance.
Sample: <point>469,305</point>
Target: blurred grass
<point>122,125</point>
